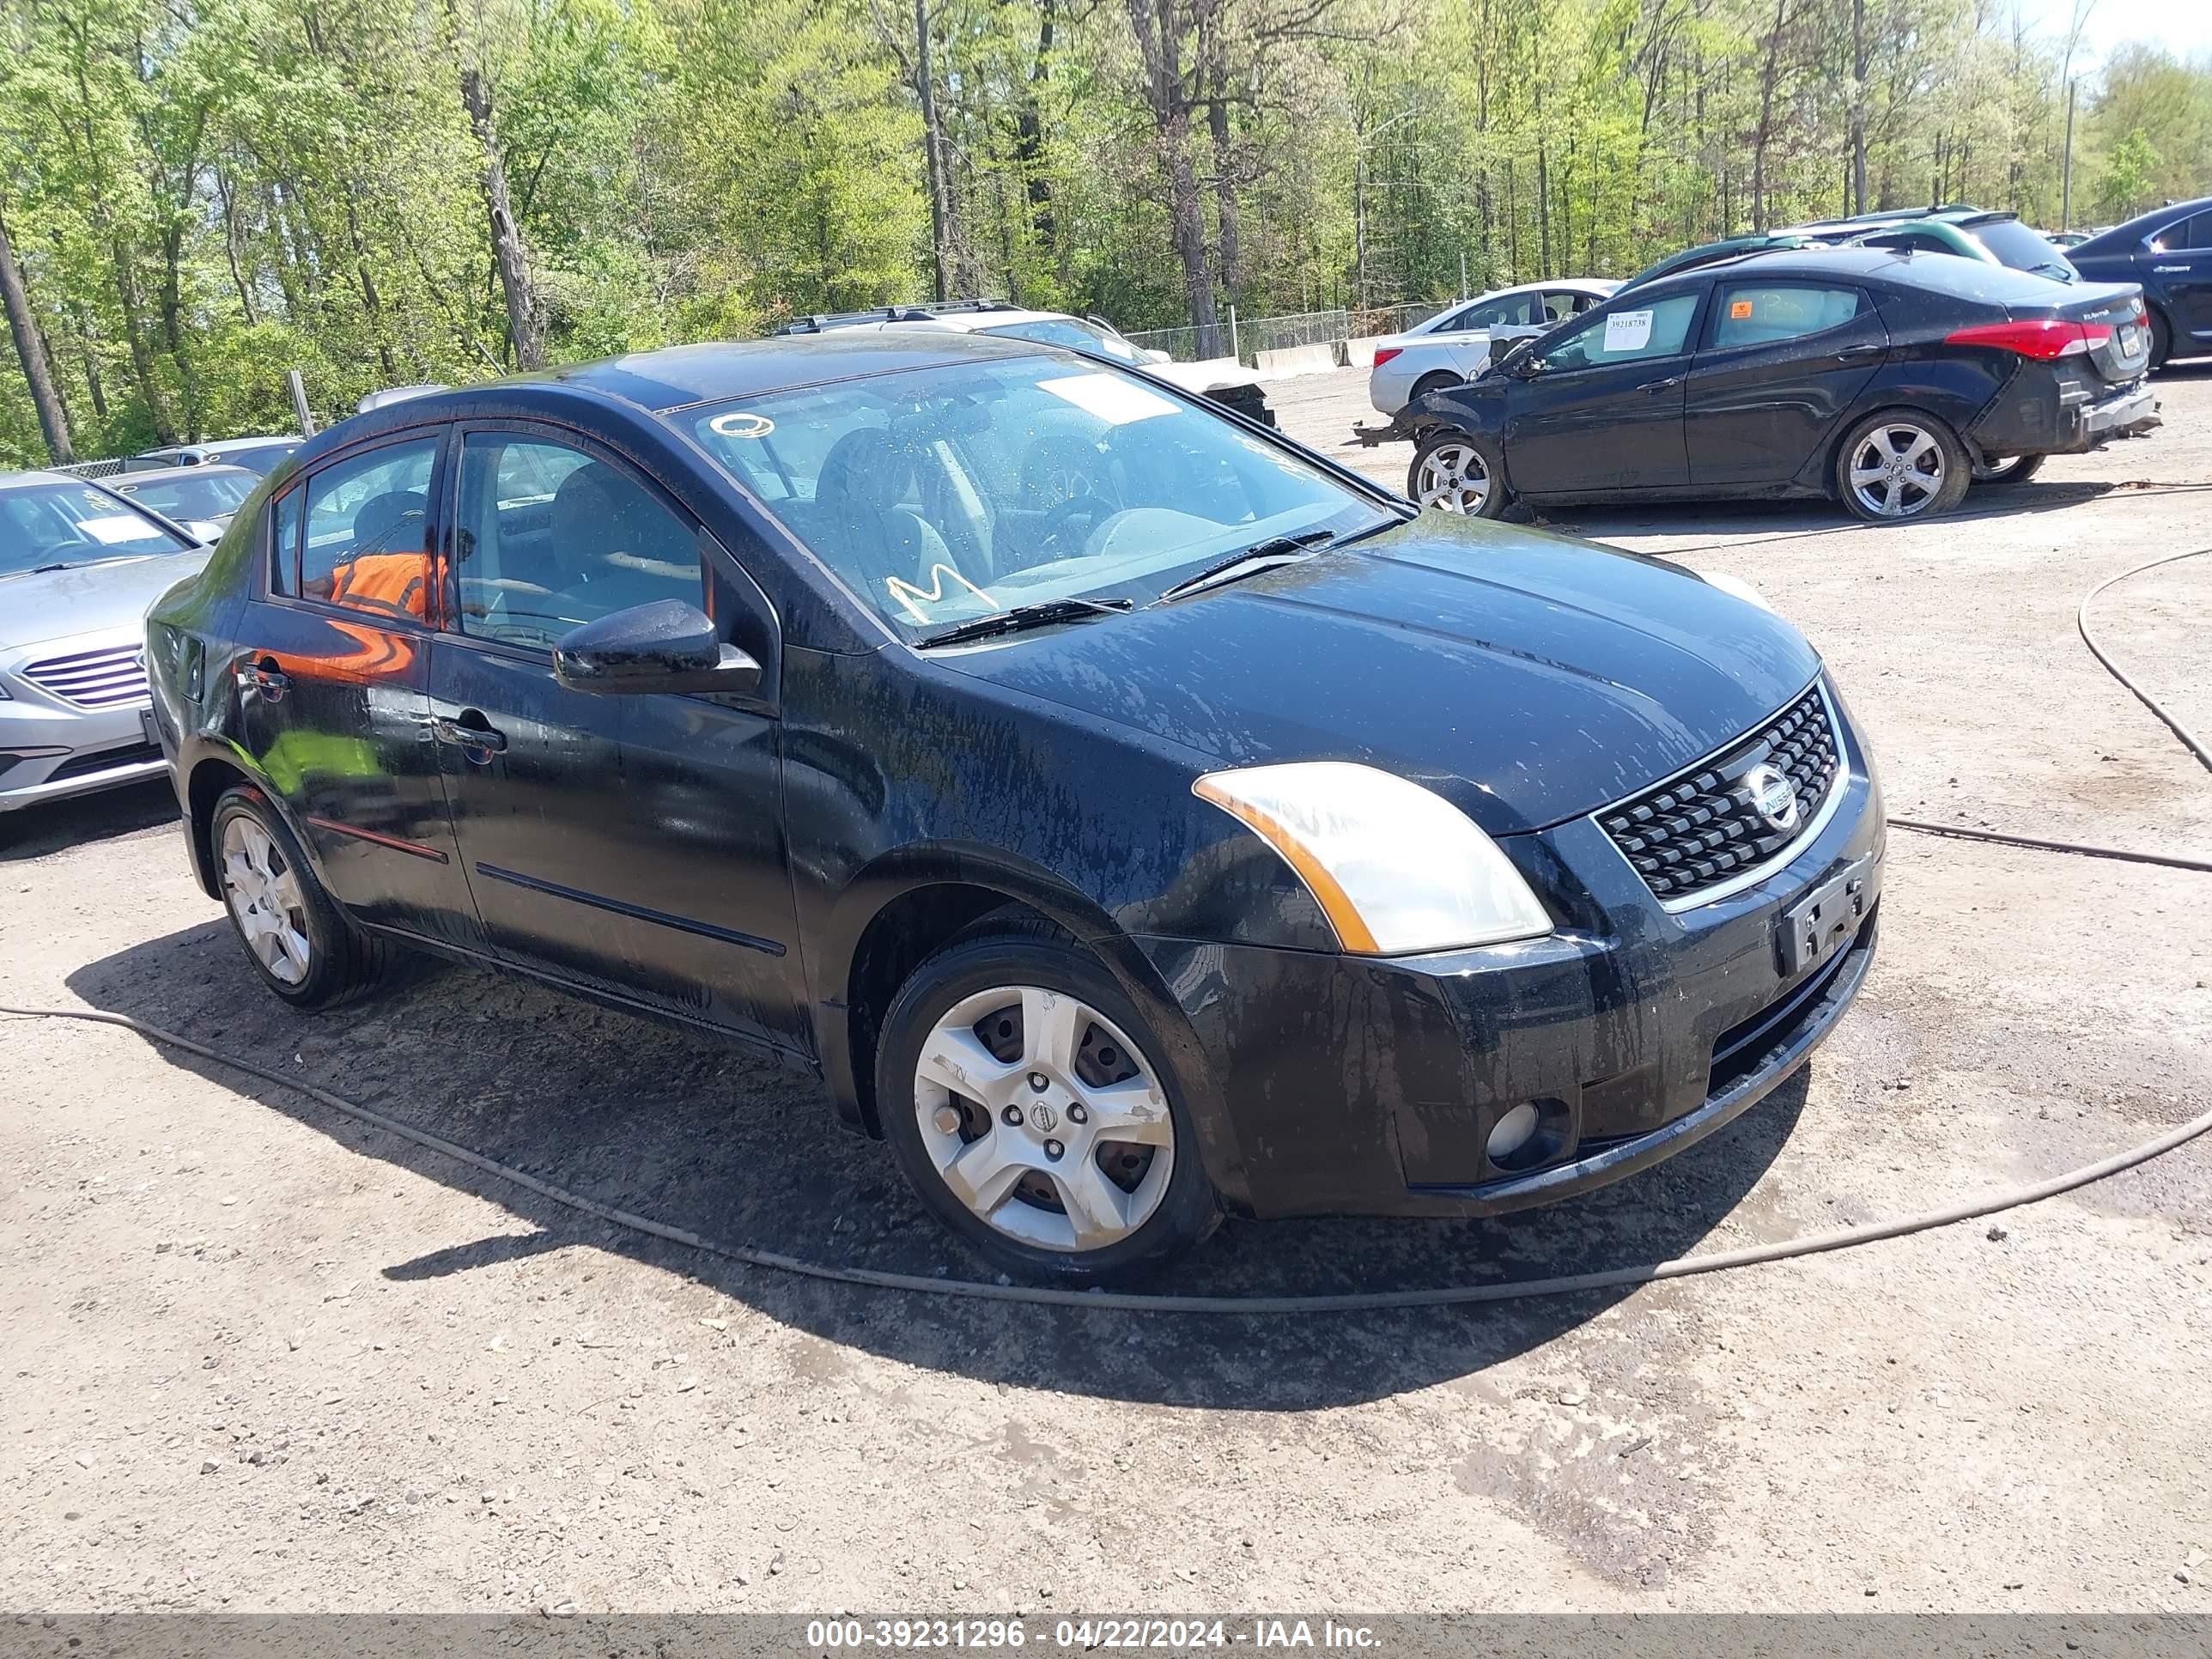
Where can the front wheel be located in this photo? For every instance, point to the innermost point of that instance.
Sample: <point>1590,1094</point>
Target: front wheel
<point>1457,473</point>
<point>1899,467</point>
<point>1031,1106</point>
<point>2011,470</point>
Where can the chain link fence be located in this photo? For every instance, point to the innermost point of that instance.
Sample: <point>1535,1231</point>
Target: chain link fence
<point>1244,337</point>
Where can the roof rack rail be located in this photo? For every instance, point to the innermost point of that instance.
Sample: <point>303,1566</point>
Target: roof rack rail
<point>920,311</point>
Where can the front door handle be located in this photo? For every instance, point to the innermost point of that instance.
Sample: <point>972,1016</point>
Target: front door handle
<point>472,734</point>
<point>1667,385</point>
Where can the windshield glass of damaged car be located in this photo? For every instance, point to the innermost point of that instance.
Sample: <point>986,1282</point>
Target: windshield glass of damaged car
<point>949,493</point>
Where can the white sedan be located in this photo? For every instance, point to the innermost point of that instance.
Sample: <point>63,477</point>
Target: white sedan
<point>1453,345</point>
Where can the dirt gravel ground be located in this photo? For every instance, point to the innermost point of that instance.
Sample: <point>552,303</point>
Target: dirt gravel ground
<point>259,1358</point>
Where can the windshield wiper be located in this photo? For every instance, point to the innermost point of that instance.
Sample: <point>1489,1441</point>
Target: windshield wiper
<point>1261,556</point>
<point>1042,614</point>
<point>49,569</point>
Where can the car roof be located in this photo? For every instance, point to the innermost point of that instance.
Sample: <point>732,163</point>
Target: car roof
<point>127,482</point>
<point>1849,263</point>
<point>2128,232</point>
<point>34,478</point>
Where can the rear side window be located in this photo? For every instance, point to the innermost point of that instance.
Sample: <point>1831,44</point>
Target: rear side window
<point>552,537</point>
<point>1514,311</point>
<point>366,544</point>
<point>1752,313</point>
<point>2190,236</point>
<point>1658,329</point>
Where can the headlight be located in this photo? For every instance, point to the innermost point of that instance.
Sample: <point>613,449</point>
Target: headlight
<point>1396,868</point>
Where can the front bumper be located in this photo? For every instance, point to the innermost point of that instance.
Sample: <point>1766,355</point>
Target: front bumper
<point>1358,1086</point>
<point>51,750</point>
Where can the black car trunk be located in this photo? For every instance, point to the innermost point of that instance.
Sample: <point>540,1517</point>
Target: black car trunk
<point>2116,311</point>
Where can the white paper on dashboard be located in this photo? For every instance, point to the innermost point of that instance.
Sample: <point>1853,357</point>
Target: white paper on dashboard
<point>1114,400</point>
<point>114,527</point>
<point>1628,331</point>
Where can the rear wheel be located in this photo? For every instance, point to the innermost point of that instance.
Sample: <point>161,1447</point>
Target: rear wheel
<point>2011,470</point>
<point>299,942</point>
<point>1898,467</point>
<point>1031,1106</point>
<point>1456,472</point>
<point>2162,341</point>
<point>1440,380</point>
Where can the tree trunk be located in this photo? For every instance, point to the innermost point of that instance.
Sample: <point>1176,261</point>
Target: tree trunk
<point>31,347</point>
<point>1212,56</point>
<point>526,329</point>
<point>1158,34</point>
<point>932,138</point>
<point>1029,130</point>
<point>1859,105</point>
<point>1766,119</point>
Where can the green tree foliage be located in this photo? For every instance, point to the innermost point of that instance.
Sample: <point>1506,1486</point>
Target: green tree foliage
<point>199,195</point>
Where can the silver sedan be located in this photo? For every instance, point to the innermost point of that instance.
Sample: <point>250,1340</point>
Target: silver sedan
<point>79,565</point>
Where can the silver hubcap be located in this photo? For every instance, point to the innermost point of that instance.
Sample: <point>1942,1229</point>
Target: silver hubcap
<point>1897,470</point>
<point>262,890</point>
<point>1454,477</point>
<point>1043,1119</point>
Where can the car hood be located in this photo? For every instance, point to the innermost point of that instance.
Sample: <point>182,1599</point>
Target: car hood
<point>90,599</point>
<point>1204,376</point>
<point>1528,678</point>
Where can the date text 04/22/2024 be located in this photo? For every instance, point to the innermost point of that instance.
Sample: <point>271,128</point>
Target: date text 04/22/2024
<point>1086,1635</point>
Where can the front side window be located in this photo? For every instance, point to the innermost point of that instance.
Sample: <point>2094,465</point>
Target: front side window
<point>58,525</point>
<point>1756,313</point>
<point>1658,328</point>
<point>367,544</point>
<point>551,537</point>
<point>943,494</point>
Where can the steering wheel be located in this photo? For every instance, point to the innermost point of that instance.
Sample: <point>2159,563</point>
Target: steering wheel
<point>1059,518</point>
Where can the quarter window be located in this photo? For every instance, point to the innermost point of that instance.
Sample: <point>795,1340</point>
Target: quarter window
<point>366,545</point>
<point>550,537</point>
<point>1764,314</point>
<point>1656,329</point>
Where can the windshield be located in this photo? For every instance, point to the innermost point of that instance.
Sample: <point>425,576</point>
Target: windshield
<point>1067,332</point>
<point>74,524</point>
<point>962,491</point>
<point>2021,248</point>
<point>204,495</point>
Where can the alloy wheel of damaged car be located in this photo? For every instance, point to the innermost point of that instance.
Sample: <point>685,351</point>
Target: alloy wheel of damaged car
<point>1029,1105</point>
<point>1454,473</point>
<point>303,948</point>
<point>2011,470</point>
<point>1898,467</point>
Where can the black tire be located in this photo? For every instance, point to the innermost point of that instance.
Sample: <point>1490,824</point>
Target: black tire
<point>342,961</point>
<point>1017,953</point>
<point>2011,470</point>
<point>1432,462</point>
<point>1441,379</point>
<point>1919,501</point>
<point>2162,341</point>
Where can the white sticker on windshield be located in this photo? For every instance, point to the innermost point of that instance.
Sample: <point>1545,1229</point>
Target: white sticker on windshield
<point>1114,400</point>
<point>115,527</point>
<point>1628,331</point>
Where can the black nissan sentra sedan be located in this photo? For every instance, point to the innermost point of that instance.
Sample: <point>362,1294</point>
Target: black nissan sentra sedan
<point>1130,815</point>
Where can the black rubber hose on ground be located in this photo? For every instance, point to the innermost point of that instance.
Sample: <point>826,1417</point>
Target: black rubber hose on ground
<point>1841,1238</point>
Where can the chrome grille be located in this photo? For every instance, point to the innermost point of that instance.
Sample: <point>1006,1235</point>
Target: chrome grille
<point>1696,831</point>
<point>105,679</point>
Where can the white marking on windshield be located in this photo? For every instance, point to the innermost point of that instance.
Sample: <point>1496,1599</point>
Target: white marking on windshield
<point>908,594</point>
<point>1114,400</point>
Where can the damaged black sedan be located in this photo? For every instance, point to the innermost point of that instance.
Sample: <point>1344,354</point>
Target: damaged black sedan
<point>1131,817</point>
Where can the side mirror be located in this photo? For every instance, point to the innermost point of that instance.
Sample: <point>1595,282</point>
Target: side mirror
<point>1154,355</point>
<point>667,646</point>
<point>206,532</point>
<point>1519,361</point>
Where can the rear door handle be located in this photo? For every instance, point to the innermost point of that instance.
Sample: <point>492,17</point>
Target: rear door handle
<point>1849,352</point>
<point>1667,385</point>
<point>270,681</point>
<point>470,733</point>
